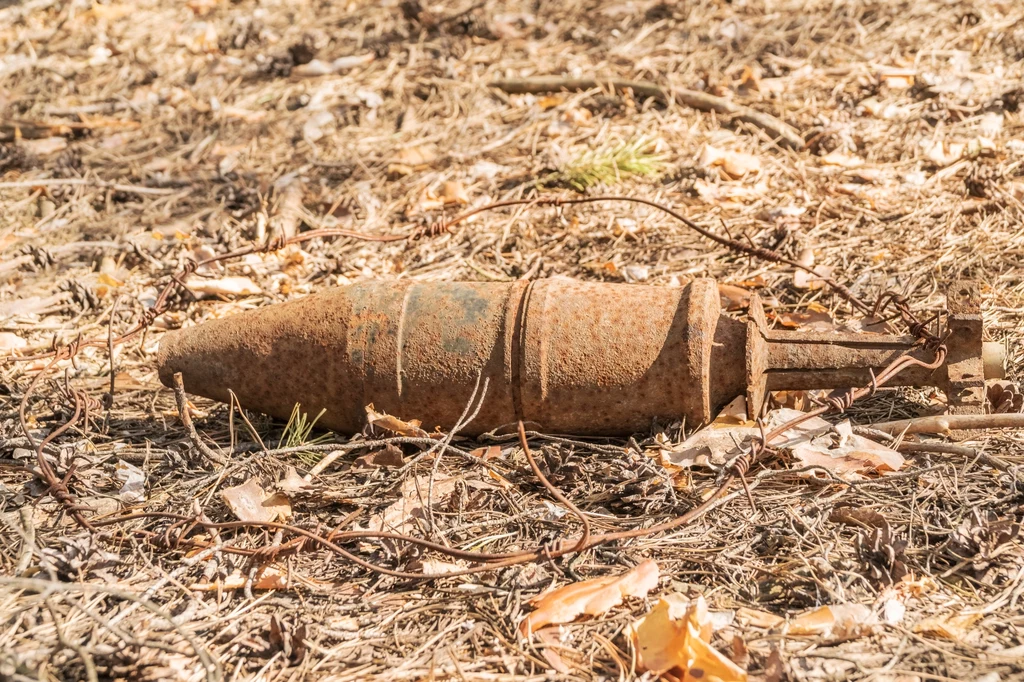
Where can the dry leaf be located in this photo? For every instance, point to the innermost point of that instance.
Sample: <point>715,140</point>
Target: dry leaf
<point>317,126</point>
<point>292,482</point>
<point>735,413</point>
<point>635,273</point>
<point>202,7</point>
<point>433,567</point>
<point>874,176</point>
<point>898,79</point>
<point>388,456</point>
<point>404,514</point>
<point>590,597</point>
<point>674,638</point>
<point>955,626</point>
<point>728,193</point>
<point>268,577</point>
<point>249,502</point>
<point>842,159</point>
<point>417,155</point>
<point>942,153</point>
<point>812,440</point>
<point>318,67</point>
<point>909,586</point>
<point>774,667</point>
<point>758,619</point>
<point>453,192</point>
<point>805,280</point>
<point>246,115</point>
<point>816,317</point>
<point>108,12</point>
<point>736,164</point>
<point>488,453</point>
<point>734,297</point>
<point>224,286</point>
<point>858,516</point>
<point>9,341</point>
<point>550,101</point>
<point>836,622</point>
<point>44,147</point>
<point>858,455</point>
<point>730,428</point>
<point>385,421</point>
<point>133,479</point>
<point>550,652</point>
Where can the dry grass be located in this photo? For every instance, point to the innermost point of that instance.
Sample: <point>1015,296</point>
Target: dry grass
<point>187,129</point>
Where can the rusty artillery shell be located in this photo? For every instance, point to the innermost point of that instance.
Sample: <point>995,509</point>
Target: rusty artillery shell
<point>565,356</point>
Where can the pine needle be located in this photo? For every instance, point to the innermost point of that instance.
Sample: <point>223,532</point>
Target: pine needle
<point>608,164</point>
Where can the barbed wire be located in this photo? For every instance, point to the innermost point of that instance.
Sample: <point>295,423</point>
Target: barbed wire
<point>175,535</point>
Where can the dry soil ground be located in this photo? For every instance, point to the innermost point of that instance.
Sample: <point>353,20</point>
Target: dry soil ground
<point>137,134</point>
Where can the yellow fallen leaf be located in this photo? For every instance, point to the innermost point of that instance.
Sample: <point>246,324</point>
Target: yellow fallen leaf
<point>550,101</point>
<point>590,597</point>
<point>109,280</point>
<point>674,638</point>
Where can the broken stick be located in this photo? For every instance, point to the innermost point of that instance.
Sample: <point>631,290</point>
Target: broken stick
<point>186,418</point>
<point>780,130</point>
<point>944,423</point>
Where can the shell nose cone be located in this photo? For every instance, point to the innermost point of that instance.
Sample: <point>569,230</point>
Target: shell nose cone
<point>207,357</point>
<point>191,352</point>
<point>271,359</point>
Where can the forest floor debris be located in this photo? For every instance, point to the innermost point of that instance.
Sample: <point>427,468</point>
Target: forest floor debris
<point>135,134</point>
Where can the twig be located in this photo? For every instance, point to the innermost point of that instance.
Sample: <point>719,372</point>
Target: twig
<point>462,422</point>
<point>785,133</point>
<point>182,401</point>
<point>944,423</point>
<point>28,539</point>
<point>103,184</point>
<point>948,449</point>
